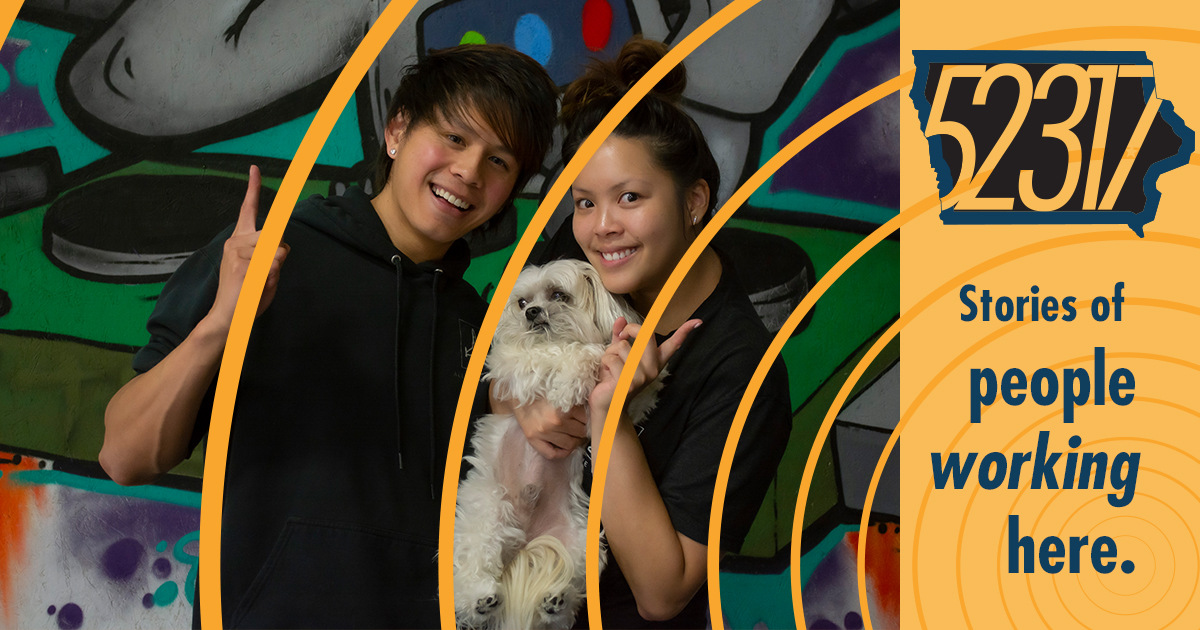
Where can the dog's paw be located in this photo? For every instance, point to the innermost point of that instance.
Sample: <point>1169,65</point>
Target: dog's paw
<point>553,604</point>
<point>556,611</point>
<point>485,605</point>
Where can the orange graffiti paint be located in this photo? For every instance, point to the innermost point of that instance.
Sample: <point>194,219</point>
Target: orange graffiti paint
<point>16,504</point>
<point>883,572</point>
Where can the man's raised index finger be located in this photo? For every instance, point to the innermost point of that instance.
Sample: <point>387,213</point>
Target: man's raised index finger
<point>249,212</point>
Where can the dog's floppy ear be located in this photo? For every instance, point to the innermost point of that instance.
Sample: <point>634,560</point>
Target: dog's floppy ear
<point>607,306</point>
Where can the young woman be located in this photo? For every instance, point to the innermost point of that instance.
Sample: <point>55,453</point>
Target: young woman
<point>639,204</point>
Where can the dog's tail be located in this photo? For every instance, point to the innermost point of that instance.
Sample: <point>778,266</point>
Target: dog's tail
<point>542,570</point>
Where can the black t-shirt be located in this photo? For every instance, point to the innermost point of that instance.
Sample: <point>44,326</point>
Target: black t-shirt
<point>685,435</point>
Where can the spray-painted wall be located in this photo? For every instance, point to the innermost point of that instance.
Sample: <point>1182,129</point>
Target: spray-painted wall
<point>127,127</point>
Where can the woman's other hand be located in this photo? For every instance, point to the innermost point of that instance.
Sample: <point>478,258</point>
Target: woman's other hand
<point>651,364</point>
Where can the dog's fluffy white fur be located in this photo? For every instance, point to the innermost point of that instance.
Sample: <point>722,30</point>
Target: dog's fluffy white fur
<point>521,520</point>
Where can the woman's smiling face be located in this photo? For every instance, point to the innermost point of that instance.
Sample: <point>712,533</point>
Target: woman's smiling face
<point>630,221</point>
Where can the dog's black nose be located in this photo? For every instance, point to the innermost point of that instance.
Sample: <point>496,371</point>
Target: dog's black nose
<point>532,313</point>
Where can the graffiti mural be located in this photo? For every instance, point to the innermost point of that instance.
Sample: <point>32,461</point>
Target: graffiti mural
<point>126,131</point>
<point>84,552</point>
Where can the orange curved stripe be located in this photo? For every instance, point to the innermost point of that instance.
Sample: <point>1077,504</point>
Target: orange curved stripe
<point>958,361</point>
<point>8,15</point>
<point>212,501</point>
<point>861,367</point>
<point>915,310</point>
<point>1025,41</point>
<point>664,298</point>
<point>760,375</point>
<point>500,296</point>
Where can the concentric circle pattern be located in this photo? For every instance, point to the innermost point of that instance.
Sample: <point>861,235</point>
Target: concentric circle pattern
<point>1097,529</point>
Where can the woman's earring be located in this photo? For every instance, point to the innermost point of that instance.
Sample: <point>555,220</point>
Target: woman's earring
<point>695,220</point>
<point>391,152</point>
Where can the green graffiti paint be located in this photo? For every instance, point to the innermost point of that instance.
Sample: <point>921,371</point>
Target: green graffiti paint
<point>104,486</point>
<point>166,594</point>
<point>161,546</point>
<point>343,148</point>
<point>38,66</point>
<point>487,268</point>
<point>775,588</point>
<point>182,556</point>
<point>472,37</point>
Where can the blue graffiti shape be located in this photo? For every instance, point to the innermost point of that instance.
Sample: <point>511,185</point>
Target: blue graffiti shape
<point>189,585</point>
<point>532,37</point>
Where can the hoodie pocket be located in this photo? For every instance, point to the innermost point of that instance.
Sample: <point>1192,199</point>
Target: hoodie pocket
<point>330,575</point>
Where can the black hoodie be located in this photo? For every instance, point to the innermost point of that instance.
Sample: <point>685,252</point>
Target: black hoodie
<point>342,421</point>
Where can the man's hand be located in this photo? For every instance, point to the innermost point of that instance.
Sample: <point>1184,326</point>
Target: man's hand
<point>236,259</point>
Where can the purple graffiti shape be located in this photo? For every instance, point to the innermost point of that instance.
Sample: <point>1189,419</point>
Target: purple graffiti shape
<point>857,160</point>
<point>51,609</point>
<point>122,559</point>
<point>70,617</point>
<point>21,107</point>
<point>148,600</point>
<point>162,568</point>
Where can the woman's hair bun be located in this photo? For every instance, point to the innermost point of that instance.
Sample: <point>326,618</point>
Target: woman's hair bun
<point>603,83</point>
<point>636,58</point>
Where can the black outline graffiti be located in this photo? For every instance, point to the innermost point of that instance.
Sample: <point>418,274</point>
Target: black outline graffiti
<point>138,147</point>
<point>43,158</point>
<point>90,469</point>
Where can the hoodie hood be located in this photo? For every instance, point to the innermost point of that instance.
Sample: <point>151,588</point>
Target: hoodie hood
<point>351,220</point>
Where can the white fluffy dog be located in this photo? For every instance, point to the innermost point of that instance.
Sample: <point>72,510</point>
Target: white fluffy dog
<point>521,520</point>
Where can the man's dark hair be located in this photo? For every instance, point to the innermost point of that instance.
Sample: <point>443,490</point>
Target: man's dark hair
<point>507,90</point>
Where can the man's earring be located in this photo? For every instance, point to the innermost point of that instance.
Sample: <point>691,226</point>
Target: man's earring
<point>391,152</point>
<point>695,220</point>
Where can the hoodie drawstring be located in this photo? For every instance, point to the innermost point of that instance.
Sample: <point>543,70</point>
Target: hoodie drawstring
<point>396,349</point>
<point>437,276</point>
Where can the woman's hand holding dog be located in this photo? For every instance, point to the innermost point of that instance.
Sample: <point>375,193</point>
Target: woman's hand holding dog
<point>236,260</point>
<point>652,362</point>
<point>551,432</point>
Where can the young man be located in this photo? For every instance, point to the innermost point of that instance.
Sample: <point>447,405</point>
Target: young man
<point>355,363</point>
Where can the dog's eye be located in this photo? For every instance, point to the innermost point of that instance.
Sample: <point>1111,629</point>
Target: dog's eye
<point>560,296</point>
<point>521,303</point>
